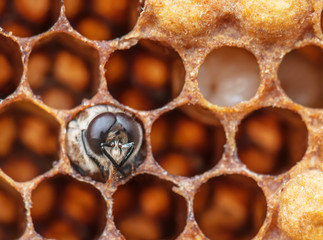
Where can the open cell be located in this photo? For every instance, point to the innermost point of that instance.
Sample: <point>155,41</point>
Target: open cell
<point>12,212</point>
<point>64,208</point>
<point>147,208</point>
<point>28,141</point>
<point>230,207</point>
<point>301,76</point>
<point>25,18</point>
<point>104,142</point>
<point>228,76</point>
<point>271,140</point>
<point>142,77</point>
<point>103,19</point>
<point>10,66</point>
<point>187,141</point>
<point>63,71</point>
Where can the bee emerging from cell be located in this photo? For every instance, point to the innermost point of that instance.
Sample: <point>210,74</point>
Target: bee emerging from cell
<point>104,140</point>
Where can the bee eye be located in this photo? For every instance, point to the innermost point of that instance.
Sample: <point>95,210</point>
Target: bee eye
<point>97,130</point>
<point>100,126</point>
<point>132,128</point>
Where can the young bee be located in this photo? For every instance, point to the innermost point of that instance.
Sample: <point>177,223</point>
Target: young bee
<point>103,139</point>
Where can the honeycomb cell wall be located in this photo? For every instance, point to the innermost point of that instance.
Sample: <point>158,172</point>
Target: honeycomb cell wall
<point>228,95</point>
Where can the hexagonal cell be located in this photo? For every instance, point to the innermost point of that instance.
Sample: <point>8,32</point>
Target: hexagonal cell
<point>187,141</point>
<point>103,19</point>
<point>147,208</point>
<point>271,140</point>
<point>64,208</point>
<point>142,77</point>
<point>301,73</point>
<point>229,75</point>
<point>230,207</point>
<point>28,141</point>
<point>10,65</point>
<point>12,212</point>
<point>63,71</point>
<point>105,142</point>
<point>25,18</point>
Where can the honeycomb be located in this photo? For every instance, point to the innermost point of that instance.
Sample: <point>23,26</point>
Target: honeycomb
<point>229,95</point>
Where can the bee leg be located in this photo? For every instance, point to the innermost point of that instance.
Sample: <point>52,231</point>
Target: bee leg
<point>132,146</point>
<point>115,164</point>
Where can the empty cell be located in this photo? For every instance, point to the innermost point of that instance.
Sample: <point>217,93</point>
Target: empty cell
<point>301,76</point>
<point>63,71</point>
<point>64,208</point>
<point>230,207</point>
<point>228,76</point>
<point>25,18</point>
<point>147,208</point>
<point>103,19</point>
<point>143,76</point>
<point>184,144</point>
<point>29,141</point>
<point>12,212</point>
<point>271,140</point>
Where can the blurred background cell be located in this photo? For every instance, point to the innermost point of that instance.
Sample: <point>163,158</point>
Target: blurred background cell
<point>12,212</point>
<point>271,140</point>
<point>230,207</point>
<point>25,18</point>
<point>147,208</point>
<point>301,76</point>
<point>103,19</point>
<point>63,71</point>
<point>11,66</point>
<point>64,208</point>
<point>142,77</point>
<point>185,145</point>
<point>229,75</point>
<point>28,141</point>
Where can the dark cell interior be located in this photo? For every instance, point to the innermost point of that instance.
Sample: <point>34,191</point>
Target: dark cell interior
<point>12,212</point>
<point>147,208</point>
<point>10,66</point>
<point>102,19</point>
<point>28,140</point>
<point>144,76</point>
<point>187,141</point>
<point>271,140</point>
<point>63,71</point>
<point>230,207</point>
<point>64,208</point>
<point>25,18</point>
